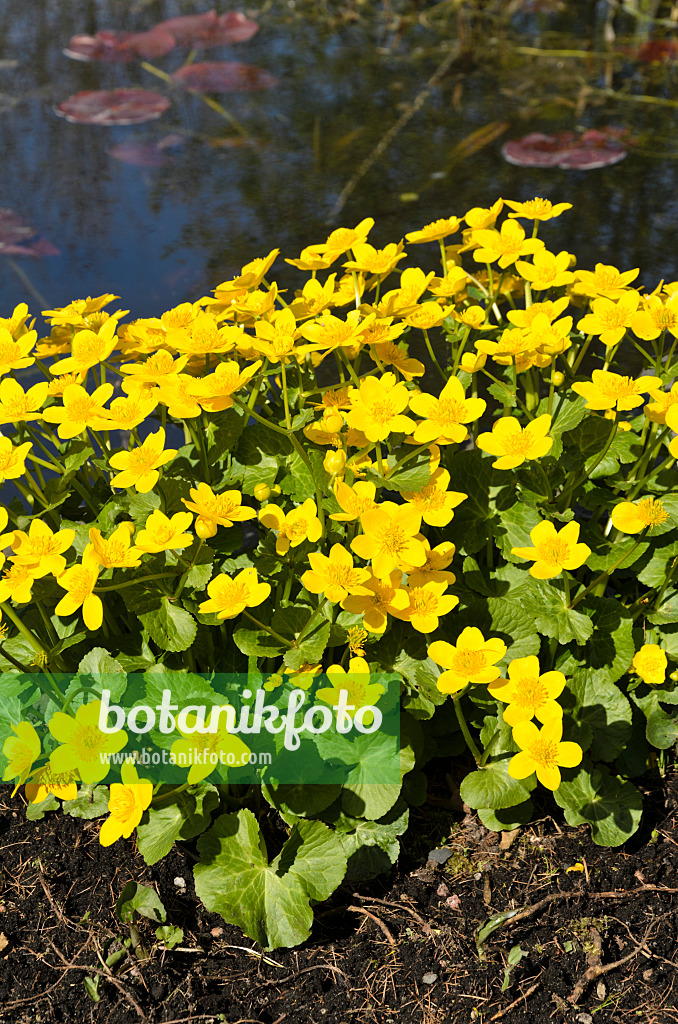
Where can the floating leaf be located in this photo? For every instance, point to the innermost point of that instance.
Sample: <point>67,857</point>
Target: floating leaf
<point>223,76</point>
<point>146,154</point>
<point>567,150</point>
<point>15,237</point>
<point>119,47</point>
<point>113,107</point>
<point>201,31</point>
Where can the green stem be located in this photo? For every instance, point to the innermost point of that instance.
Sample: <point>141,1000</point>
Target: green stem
<point>139,579</point>
<point>288,420</point>
<point>432,355</point>
<point>182,581</point>
<point>582,353</point>
<point>272,632</point>
<point>309,623</point>
<point>608,572</point>
<point>465,729</point>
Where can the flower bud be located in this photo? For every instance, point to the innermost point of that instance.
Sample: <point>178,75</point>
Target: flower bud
<point>332,422</point>
<point>262,492</point>
<point>557,378</point>
<point>334,462</point>
<point>205,528</point>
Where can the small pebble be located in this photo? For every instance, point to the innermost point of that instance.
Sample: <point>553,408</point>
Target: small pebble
<point>442,890</point>
<point>430,979</point>
<point>584,1018</point>
<point>440,856</point>
<point>478,875</point>
<point>180,883</point>
<point>452,902</point>
<point>216,932</point>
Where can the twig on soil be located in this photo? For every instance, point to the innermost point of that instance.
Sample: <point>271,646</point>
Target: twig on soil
<point>297,974</point>
<point>398,906</point>
<point>512,1006</point>
<point>108,975</point>
<point>377,920</point>
<point>595,972</point>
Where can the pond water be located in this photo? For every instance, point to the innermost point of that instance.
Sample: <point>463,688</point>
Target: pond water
<point>346,72</point>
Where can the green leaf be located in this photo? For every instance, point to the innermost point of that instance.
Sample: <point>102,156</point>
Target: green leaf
<point>551,616</point>
<point>36,812</point>
<point>311,648</point>
<point>187,815</point>
<point>662,729</point>
<point>658,561</point>
<point>371,847</point>
<point>92,988</point>
<point>170,626</point>
<point>258,642</point>
<point>606,554</point>
<point>229,427</point>
<point>611,807</point>
<point>506,819</point>
<point>269,901</point>
<point>513,530</point>
<point>493,787</point>
<point>300,482</point>
<point>471,474</point>
<point>169,935</point>
<point>142,899</point>
<point>667,611</point>
<point>602,708</point>
<point>610,650</point>
<point>91,802</point>
<point>504,394</point>
<point>567,414</point>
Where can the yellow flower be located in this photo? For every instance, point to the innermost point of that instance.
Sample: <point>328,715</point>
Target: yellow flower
<point>79,581</point>
<point>12,460</point>
<point>525,317</point>
<point>343,239</point>
<point>547,270</point>
<point>14,354</point>
<point>139,466</point>
<point>513,444</point>
<point>435,231</point>
<point>214,747</point>
<point>356,638</point>
<point>426,605</point>
<point>360,691</point>
<point>160,533</point>
<point>433,569</point>
<point>663,401</point>
<point>17,583</point>
<point>17,406</point>
<point>449,286</point>
<point>655,317</point>
<point>313,298</point>
<point>605,280</point>
<point>542,751</point>
<point>82,743</point>
<point>229,597</point>
<point>608,390</point>
<point>57,386</point>
<point>610,319</point>
<point>312,259</point>
<point>390,537</point>
<point>335,577</point>
<point>156,370</point>
<point>75,312</point>
<point>554,550</point>
<point>528,694</point>
<point>537,209</point>
<point>471,362</point>
<point>114,552</point>
<point>472,316</point>
<point>444,416</point>
<point>88,348</point>
<point>250,277</point>
<point>549,338</point>
<point>377,408</point>
<point>46,781</point>
<point>434,502</point>
<point>179,395</point>
<point>219,509</point>
<point>276,339</point>
<point>375,261</point>
<point>385,598</point>
<point>428,315</point>
<point>472,660</point>
<point>401,301</point>
<point>650,663</point>
<point>328,332</point>
<point>396,356</point>
<point>354,500</point>
<point>128,801</point>
<point>293,527</point>
<point>80,410</point>
<point>203,337</point>
<point>21,750</point>
<point>628,517</point>
<point>41,549</point>
<point>127,413</point>
<point>506,246</point>
<point>216,390</point>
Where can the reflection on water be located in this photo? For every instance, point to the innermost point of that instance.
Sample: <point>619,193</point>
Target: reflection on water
<point>346,73</point>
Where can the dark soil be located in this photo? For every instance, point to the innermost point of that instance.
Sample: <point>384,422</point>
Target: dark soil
<point>599,942</point>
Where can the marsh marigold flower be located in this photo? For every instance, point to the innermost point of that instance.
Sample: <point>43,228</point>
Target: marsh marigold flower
<point>79,581</point>
<point>435,231</point>
<point>343,239</point>
<point>654,317</point>
<point>82,744</point>
<point>537,208</point>
<point>13,459</point>
<point>472,660</point>
<point>433,569</point>
<point>384,598</point>
<point>630,517</point>
<point>354,500</point>
<point>214,746</point>
<point>41,549</point>
<point>360,691</point>
<point>114,552</point>
<point>426,606</point>
<point>46,781</point>
<point>377,408</point>
<point>528,693</point>
<point>220,509</point>
<point>154,371</point>
<point>610,319</point>
<point>658,409</point>
<point>334,576</point>
<point>390,536</point>
<point>139,467</point>
<point>605,280</point>
<point>128,801</point>
<point>547,269</point>
<point>229,597</point>
<point>609,390</point>
<point>14,355</point>
<point>21,750</point>
<point>293,527</point>
<point>17,583</point>
<point>512,444</point>
<point>80,410</point>
<point>435,503</point>
<point>543,751</point>
<point>88,349</point>
<point>375,261</point>
<point>216,389</point>
<point>162,533</point>
<point>506,245</point>
<point>444,417</point>
<point>650,663</point>
<point>554,550</point>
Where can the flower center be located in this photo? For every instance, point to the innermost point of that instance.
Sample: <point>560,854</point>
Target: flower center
<point>468,663</point>
<point>422,601</point>
<point>383,412</point>
<point>531,693</point>
<point>451,413</point>
<point>143,459</point>
<point>297,528</point>
<point>81,584</point>
<point>652,512</point>
<point>123,805</point>
<point>518,444</point>
<point>544,752</point>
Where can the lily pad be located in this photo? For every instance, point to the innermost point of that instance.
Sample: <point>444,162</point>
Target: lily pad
<point>223,76</point>
<point>120,47</point>
<point>583,152</point>
<point>19,239</point>
<point>201,31</point>
<point>146,154</point>
<point>112,107</point>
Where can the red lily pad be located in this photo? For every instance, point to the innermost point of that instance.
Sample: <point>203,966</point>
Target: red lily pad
<point>19,239</point>
<point>112,107</point>
<point>146,154</point>
<point>119,47</point>
<point>204,30</point>
<point>224,76</point>
<point>583,152</point>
